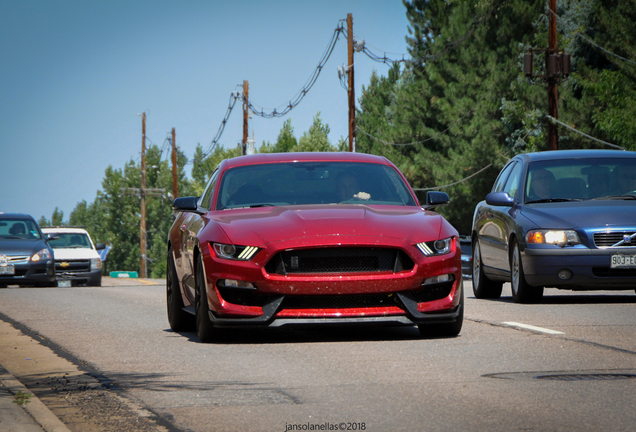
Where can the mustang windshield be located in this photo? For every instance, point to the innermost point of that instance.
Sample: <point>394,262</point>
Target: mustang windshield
<point>298,183</point>
<point>581,179</point>
<point>18,229</point>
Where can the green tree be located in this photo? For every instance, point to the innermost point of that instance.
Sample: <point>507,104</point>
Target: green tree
<point>442,113</point>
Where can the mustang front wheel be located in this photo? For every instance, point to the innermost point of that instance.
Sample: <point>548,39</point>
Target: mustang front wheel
<point>205,329</point>
<point>179,319</point>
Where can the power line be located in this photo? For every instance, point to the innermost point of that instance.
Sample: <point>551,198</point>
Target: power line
<point>502,75</point>
<point>590,41</point>
<point>308,85</point>
<point>210,149</point>
<point>457,182</point>
<point>585,135</point>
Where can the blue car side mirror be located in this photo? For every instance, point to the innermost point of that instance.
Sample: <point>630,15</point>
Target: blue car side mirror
<point>501,199</point>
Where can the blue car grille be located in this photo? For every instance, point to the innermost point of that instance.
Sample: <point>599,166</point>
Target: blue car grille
<point>605,240</point>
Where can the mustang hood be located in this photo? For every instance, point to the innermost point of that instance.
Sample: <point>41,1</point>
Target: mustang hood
<point>259,226</point>
<point>599,213</point>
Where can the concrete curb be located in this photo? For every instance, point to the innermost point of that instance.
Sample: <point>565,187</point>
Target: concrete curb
<point>42,416</point>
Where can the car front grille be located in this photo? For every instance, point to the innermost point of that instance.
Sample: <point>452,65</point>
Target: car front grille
<point>609,239</point>
<point>17,259</point>
<point>339,260</point>
<point>72,267</point>
<point>610,272</point>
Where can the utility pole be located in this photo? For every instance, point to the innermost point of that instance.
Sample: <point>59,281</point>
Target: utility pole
<point>175,186</point>
<point>142,192</point>
<point>553,106</point>
<point>246,89</point>
<point>557,66</point>
<point>142,234</point>
<point>352,98</point>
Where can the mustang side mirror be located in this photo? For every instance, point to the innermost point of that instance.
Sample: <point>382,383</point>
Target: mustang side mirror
<point>501,199</point>
<point>187,204</point>
<point>435,199</point>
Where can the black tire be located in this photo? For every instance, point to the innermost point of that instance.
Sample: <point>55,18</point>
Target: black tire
<point>522,292</point>
<point>483,288</point>
<point>445,329</point>
<point>179,319</point>
<point>205,330</point>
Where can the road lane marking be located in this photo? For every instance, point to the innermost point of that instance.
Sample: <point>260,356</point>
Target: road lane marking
<point>533,328</point>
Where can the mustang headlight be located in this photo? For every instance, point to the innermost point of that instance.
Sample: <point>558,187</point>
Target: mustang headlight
<point>437,247</point>
<point>554,237</point>
<point>228,251</point>
<point>41,255</point>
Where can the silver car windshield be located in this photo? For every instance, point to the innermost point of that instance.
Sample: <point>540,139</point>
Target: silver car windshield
<point>19,229</point>
<point>581,179</point>
<point>301,183</point>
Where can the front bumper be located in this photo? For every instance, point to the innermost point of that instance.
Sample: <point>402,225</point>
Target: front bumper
<point>29,274</point>
<point>400,298</point>
<point>589,268</point>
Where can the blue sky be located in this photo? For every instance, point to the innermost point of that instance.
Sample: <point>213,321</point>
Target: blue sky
<point>74,76</point>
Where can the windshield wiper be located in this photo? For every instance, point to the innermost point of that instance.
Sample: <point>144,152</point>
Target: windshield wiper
<point>616,197</point>
<point>262,205</point>
<point>545,200</point>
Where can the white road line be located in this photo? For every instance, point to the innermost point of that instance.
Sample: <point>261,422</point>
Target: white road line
<point>533,328</point>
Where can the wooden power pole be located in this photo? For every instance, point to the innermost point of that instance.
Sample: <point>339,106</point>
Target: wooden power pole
<point>175,185</point>
<point>352,97</point>
<point>246,90</point>
<point>142,233</point>
<point>553,106</point>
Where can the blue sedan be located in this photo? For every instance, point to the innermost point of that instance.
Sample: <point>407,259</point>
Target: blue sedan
<point>563,219</point>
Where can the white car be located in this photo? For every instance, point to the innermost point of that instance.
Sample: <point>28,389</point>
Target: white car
<point>77,262</point>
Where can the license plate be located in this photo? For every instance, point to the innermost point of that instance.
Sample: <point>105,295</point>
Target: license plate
<point>64,283</point>
<point>623,261</point>
<point>7,270</point>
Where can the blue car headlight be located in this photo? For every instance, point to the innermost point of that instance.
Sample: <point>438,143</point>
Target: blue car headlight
<point>553,237</point>
<point>43,254</point>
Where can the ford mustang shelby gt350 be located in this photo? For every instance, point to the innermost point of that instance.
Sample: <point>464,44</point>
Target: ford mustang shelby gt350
<point>308,238</point>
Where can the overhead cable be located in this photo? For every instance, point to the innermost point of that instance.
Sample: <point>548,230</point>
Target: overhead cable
<point>210,149</point>
<point>308,85</point>
<point>460,119</point>
<point>585,135</point>
<point>455,183</point>
<point>590,41</point>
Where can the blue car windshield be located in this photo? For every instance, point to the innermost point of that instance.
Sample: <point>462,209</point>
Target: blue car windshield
<point>300,183</point>
<point>581,179</point>
<point>19,229</point>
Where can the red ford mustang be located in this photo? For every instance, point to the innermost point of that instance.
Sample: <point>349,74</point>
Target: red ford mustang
<point>307,238</point>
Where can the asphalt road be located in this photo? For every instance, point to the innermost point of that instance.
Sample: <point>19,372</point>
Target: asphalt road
<point>497,375</point>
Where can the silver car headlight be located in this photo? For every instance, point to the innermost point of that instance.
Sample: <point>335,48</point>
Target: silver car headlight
<point>43,254</point>
<point>553,237</point>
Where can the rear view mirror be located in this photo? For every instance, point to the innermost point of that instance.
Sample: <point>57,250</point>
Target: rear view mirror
<point>187,204</point>
<point>436,199</point>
